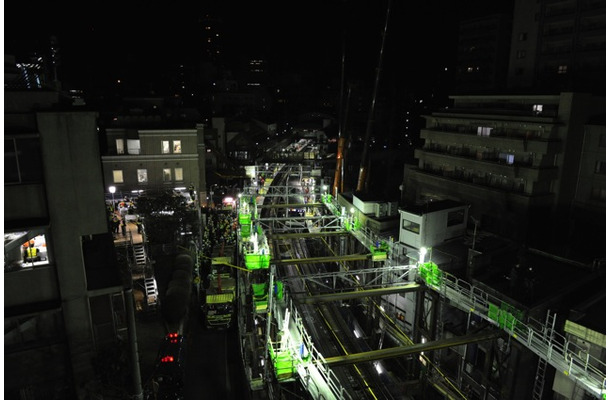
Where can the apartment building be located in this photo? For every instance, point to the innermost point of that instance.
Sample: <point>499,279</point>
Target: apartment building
<point>153,159</point>
<point>558,46</point>
<point>63,302</point>
<point>513,158</point>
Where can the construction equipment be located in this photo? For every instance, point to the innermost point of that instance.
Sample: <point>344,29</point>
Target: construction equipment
<point>219,303</point>
<point>364,160</point>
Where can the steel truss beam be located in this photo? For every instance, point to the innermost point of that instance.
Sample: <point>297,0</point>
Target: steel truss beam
<point>399,351</point>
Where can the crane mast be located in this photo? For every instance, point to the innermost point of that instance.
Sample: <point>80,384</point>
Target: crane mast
<point>362,172</point>
<point>338,182</point>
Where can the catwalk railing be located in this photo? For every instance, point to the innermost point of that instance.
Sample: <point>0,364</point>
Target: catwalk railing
<point>566,356</point>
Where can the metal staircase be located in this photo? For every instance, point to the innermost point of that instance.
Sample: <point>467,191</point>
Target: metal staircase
<point>139,255</point>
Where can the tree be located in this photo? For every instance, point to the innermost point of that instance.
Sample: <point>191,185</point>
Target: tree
<point>166,215</point>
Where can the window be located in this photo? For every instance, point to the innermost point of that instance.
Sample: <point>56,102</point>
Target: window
<point>22,160</point>
<point>563,69</point>
<point>178,174</point>
<point>523,36</point>
<point>455,217</point>
<point>167,174</point>
<point>133,146</point>
<point>142,176</point>
<point>519,71</point>
<point>537,109</point>
<point>521,54</point>
<point>165,147</point>
<point>117,175</point>
<point>484,131</point>
<point>30,330</point>
<point>598,193</point>
<point>177,146</point>
<point>508,158</point>
<point>600,167</point>
<point>410,226</point>
<point>120,146</point>
<point>25,249</point>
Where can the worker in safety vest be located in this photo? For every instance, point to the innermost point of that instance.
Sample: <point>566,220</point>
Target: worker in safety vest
<point>32,253</point>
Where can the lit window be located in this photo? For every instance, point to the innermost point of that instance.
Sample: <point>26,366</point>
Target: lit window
<point>167,174</point>
<point>117,176</point>
<point>120,146</point>
<point>25,249</point>
<point>410,226</point>
<point>563,69</point>
<point>177,146</point>
<point>165,147</point>
<point>142,176</point>
<point>178,174</point>
<point>537,108</point>
<point>484,131</point>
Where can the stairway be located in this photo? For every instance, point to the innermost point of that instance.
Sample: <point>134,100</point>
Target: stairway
<point>139,255</point>
<point>152,293</point>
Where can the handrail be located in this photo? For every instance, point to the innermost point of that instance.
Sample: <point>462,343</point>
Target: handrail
<point>565,355</point>
<point>317,358</point>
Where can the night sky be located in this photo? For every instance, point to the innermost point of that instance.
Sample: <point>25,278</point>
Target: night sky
<point>104,41</point>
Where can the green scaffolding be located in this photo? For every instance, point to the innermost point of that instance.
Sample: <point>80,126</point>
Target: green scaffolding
<point>260,296</point>
<point>283,364</point>
<point>379,252</point>
<point>245,230</point>
<point>245,219</point>
<point>505,315</point>
<point>278,290</point>
<point>430,273</point>
<point>257,261</point>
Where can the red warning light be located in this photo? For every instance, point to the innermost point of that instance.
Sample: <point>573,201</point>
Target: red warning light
<point>167,359</point>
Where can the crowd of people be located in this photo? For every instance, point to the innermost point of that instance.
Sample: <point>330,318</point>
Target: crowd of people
<point>220,227</point>
<point>117,217</point>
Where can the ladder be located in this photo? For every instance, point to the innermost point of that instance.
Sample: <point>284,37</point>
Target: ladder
<point>549,326</point>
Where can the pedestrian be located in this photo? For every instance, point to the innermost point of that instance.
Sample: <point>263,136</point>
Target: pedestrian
<point>123,228</point>
<point>139,224</point>
<point>115,224</point>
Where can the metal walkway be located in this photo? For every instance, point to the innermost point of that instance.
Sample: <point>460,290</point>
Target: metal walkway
<point>540,338</point>
<point>573,360</point>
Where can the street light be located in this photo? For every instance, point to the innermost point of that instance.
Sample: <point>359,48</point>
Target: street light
<point>112,189</point>
<point>422,255</point>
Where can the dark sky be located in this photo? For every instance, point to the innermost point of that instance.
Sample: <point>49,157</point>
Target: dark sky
<point>109,40</point>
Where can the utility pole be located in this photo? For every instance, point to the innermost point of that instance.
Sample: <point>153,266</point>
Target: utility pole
<point>133,344</point>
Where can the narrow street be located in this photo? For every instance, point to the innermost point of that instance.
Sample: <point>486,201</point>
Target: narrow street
<point>213,366</point>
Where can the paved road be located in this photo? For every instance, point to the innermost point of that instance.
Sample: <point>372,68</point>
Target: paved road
<point>213,363</point>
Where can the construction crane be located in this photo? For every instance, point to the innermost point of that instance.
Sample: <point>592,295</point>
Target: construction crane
<point>362,172</point>
<point>338,182</point>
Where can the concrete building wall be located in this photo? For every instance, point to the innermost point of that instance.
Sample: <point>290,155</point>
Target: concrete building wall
<point>76,206</point>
